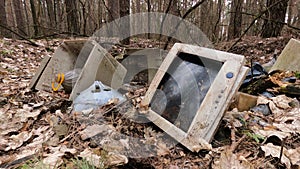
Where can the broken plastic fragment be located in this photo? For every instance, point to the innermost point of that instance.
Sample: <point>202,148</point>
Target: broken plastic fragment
<point>95,96</point>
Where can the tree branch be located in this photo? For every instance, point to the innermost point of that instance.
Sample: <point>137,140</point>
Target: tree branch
<point>164,18</point>
<point>111,15</point>
<point>60,33</point>
<point>184,16</point>
<point>252,23</point>
<point>21,36</point>
<point>272,20</point>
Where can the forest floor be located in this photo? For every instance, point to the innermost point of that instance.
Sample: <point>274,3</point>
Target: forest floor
<point>37,130</point>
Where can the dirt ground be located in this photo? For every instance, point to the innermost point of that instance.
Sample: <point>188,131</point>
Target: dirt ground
<point>37,128</point>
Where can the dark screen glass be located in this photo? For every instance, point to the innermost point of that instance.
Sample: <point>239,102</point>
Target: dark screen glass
<point>183,88</point>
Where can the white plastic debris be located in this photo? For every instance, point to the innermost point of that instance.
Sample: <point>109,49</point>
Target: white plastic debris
<point>95,96</point>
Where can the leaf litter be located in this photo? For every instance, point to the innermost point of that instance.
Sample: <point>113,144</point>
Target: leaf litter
<point>40,125</point>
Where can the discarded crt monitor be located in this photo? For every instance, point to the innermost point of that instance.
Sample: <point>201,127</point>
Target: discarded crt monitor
<point>87,56</point>
<point>191,91</point>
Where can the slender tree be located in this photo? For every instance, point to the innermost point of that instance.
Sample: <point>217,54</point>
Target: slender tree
<point>125,22</point>
<point>34,18</point>
<point>113,13</point>
<point>235,23</point>
<point>297,18</point>
<point>203,20</point>
<point>18,10</point>
<point>3,19</point>
<point>72,17</point>
<point>84,15</point>
<point>275,13</point>
<point>216,30</point>
<point>149,26</point>
<point>51,13</point>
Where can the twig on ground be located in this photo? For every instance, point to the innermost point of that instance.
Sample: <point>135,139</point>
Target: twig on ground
<point>236,144</point>
<point>281,150</point>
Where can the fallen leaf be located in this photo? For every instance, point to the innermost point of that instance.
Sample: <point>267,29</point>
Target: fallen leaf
<point>293,155</point>
<point>230,160</point>
<point>282,101</point>
<point>15,141</point>
<point>54,158</point>
<point>274,151</point>
<point>37,105</point>
<point>24,114</point>
<point>268,133</point>
<point>289,128</point>
<point>61,129</point>
<point>92,158</point>
<point>162,149</point>
<point>114,159</point>
<point>91,131</point>
<point>275,110</point>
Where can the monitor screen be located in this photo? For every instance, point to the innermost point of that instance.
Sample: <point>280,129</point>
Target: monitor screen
<point>183,88</point>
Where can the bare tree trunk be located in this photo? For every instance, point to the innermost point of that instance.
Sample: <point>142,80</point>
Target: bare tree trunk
<point>99,14</point>
<point>160,6</point>
<point>235,23</point>
<point>113,13</point>
<point>3,20</point>
<point>125,22</point>
<point>297,21</point>
<point>72,17</point>
<point>19,17</point>
<point>10,18</point>
<point>61,24</point>
<point>174,10</point>
<point>34,18</point>
<point>138,6</point>
<point>203,13</point>
<point>290,12</point>
<point>149,9</point>
<point>216,30</point>
<point>27,18</point>
<point>276,13</point>
<point>55,12</point>
<point>84,17</point>
<point>51,13</point>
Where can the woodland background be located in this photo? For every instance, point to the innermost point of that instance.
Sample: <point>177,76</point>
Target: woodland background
<point>218,19</point>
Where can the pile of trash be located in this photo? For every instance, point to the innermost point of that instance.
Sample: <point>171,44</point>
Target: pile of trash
<point>83,112</point>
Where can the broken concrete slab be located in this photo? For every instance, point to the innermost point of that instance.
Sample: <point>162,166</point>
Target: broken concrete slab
<point>289,58</point>
<point>223,73</point>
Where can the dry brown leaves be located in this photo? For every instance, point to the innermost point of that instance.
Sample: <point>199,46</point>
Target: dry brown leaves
<point>274,132</point>
<point>39,125</point>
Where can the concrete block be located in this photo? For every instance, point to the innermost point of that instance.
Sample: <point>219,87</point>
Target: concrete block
<point>245,101</point>
<point>289,59</point>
